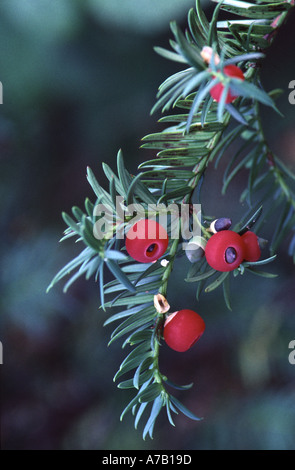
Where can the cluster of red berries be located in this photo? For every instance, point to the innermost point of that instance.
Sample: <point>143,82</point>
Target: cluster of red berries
<point>147,241</point>
<point>226,250</point>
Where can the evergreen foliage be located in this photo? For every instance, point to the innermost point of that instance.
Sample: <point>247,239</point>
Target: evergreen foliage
<point>201,131</point>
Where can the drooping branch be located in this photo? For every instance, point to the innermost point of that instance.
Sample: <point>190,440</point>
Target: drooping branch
<point>202,127</point>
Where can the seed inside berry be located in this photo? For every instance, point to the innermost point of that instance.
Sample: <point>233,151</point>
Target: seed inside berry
<point>223,223</point>
<point>230,255</point>
<point>151,249</point>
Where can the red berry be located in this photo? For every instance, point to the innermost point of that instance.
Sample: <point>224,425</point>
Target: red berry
<point>252,248</point>
<point>182,329</point>
<point>216,91</point>
<point>225,251</point>
<point>146,241</point>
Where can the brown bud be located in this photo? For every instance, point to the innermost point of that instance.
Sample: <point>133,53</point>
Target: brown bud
<point>161,304</point>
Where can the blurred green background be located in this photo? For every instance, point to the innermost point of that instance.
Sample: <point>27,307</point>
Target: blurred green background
<point>79,80</point>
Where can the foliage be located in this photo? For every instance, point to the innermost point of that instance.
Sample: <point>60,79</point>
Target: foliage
<point>200,132</point>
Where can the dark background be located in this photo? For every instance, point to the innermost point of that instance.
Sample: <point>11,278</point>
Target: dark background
<point>79,80</point>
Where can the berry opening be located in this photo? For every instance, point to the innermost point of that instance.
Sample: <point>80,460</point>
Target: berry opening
<point>147,242</point>
<point>230,255</point>
<point>225,250</point>
<point>152,249</point>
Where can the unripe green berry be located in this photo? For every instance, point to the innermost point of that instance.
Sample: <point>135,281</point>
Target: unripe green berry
<point>195,249</point>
